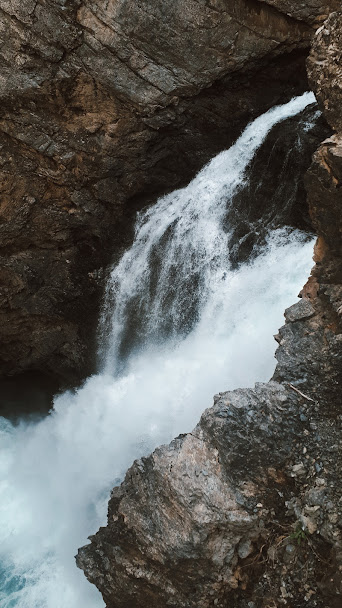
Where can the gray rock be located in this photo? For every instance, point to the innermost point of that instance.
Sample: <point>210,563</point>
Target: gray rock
<point>160,531</point>
<point>301,310</point>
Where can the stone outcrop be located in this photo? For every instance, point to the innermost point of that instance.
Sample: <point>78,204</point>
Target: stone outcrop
<point>314,11</point>
<point>246,510</point>
<point>104,105</point>
<point>315,341</point>
<point>211,519</point>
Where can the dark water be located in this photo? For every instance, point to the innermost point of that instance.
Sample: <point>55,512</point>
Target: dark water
<point>27,396</point>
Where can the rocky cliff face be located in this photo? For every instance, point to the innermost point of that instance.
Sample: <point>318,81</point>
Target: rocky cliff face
<point>104,104</point>
<point>246,510</point>
<point>316,343</point>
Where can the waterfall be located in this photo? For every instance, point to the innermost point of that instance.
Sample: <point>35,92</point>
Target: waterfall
<point>180,252</point>
<point>179,324</point>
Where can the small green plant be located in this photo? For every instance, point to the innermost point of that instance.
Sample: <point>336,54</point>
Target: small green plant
<point>299,535</point>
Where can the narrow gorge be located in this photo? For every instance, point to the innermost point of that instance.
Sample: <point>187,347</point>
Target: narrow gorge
<point>166,179</point>
<point>104,107</point>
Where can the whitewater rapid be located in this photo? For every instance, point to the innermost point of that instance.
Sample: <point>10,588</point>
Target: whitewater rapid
<point>178,325</point>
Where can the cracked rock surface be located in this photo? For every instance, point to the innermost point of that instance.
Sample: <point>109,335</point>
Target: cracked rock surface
<point>104,105</point>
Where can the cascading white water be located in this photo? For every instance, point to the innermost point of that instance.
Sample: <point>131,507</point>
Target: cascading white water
<point>56,474</point>
<point>181,250</point>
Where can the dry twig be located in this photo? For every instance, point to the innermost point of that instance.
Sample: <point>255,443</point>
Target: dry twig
<point>300,393</point>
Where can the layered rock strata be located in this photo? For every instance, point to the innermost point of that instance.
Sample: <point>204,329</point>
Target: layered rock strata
<point>246,510</point>
<point>102,103</point>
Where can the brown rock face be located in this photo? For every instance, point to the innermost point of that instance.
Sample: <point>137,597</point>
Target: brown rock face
<point>101,103</point>
<point>325,69</point>
<point>234,513</point>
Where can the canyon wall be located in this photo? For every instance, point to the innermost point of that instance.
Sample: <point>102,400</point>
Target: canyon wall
<point>246,510</point>
<point>104,106</point>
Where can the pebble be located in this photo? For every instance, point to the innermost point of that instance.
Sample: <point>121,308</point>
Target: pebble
<point>298,469</point>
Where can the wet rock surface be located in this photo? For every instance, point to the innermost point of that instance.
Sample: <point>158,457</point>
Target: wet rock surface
<point>246,510</point>
<point>269,199</point>
<point>105,105</point>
